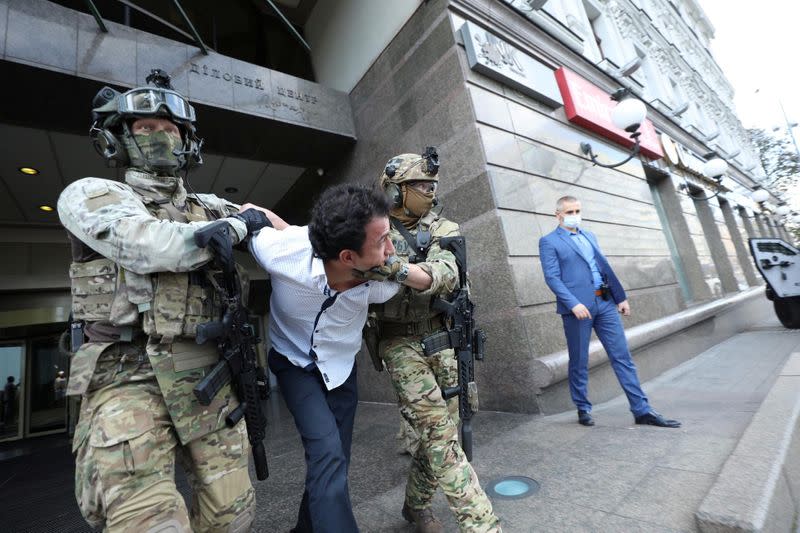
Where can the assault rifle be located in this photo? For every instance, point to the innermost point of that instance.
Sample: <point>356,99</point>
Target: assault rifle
<point>462,336</point>
<point>236,341</point>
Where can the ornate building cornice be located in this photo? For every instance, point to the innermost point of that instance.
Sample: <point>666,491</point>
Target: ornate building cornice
<point>682,58</point>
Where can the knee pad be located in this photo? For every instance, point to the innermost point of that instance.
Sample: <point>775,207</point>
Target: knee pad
<point>170,526</point>
<point>242,523</point>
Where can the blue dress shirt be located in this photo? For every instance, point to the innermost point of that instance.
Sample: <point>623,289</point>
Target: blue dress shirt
<point>587,251</point>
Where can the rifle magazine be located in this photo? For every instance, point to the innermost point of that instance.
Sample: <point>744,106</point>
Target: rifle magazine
<point>435,343</point>
<point>219,376</point>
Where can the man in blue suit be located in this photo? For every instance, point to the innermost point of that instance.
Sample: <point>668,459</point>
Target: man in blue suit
<point>589,295</point>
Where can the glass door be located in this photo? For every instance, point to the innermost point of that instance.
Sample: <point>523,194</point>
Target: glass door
<point>12,359</point>
<point>47,387</point>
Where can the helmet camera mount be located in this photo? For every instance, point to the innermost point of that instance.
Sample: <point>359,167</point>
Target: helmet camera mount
<point>160,79</point>
<point>431,161</point>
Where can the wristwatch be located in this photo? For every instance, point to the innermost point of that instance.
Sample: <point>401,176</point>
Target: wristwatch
<point>402,274</point>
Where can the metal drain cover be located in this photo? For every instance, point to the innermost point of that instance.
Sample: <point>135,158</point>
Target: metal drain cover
<point>513,487</point>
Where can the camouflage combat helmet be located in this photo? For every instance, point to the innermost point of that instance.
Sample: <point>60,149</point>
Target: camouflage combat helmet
<point>113,111</point>
<point>409,205</point>
<point>411,167</point>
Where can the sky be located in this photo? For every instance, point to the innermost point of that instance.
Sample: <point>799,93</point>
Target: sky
<point>755,44</point>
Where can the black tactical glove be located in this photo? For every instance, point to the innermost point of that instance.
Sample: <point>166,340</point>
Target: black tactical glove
<point>253,219</point>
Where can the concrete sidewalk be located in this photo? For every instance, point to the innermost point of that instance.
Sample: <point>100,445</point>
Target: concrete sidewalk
<point>614,477</point>
<point>618,476</point>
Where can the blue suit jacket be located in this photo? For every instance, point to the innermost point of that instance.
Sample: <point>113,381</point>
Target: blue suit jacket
<point>569,275</point>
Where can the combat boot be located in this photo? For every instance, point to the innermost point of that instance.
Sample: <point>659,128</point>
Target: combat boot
<point>423,519</point>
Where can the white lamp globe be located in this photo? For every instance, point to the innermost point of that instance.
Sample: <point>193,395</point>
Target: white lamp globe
<point>783,210</point>
<point>628,114</point>
<point>715,168</point>
<point>759,195</point>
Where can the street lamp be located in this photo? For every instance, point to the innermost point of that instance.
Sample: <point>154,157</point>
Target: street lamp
<point>714,168</point>
<point>783,210</point>
<point>759,194</point>
<point>627,115</point>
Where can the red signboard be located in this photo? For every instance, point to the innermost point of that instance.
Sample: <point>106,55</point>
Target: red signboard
<point>589,106</point>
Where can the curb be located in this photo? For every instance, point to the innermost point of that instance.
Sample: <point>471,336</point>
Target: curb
<point>758,488</point>
<point>552,368</point>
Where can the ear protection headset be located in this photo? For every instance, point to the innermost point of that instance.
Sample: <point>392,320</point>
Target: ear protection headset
<point>430,166</point>
<point>392,190</point>
<point>108,146</point>
<point>104,141</point>
<point>394,194</point>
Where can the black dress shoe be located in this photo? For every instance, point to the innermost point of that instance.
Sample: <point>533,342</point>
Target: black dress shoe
<point>654,419</point>
<point>585,418</point>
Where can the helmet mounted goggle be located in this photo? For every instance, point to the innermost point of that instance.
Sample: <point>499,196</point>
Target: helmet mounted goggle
<point>159,100</point>
<point>149,101</point>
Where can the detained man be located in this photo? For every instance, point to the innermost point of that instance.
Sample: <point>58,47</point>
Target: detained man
<point>319,301</point>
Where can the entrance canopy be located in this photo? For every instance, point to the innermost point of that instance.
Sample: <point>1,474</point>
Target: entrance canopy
<point>262,128</point>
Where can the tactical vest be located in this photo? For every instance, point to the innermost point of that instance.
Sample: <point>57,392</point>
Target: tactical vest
<point>409,306</point>
<point>165,304</point>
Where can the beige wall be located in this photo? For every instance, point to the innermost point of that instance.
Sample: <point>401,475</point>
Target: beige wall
<point>33,259</point>
<point>346,36</point>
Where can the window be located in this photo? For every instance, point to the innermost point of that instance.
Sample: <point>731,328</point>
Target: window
<point>655,85</point>
<point>679,100</point>
<point>557,10</point>
<point>697,120</point>
<point>605,42</point>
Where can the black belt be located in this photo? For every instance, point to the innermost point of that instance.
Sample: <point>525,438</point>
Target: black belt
<point>401,329</point>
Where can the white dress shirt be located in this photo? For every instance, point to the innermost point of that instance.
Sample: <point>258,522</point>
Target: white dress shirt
<point>309,322</point>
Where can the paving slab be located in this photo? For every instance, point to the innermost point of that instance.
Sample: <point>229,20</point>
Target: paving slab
<point>616,476</point>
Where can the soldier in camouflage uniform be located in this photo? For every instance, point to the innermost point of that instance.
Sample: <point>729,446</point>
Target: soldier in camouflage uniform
<point>410,181</point>
<point>140,286</point>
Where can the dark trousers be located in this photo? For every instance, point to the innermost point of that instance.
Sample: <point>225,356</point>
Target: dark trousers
<point>324,420</point>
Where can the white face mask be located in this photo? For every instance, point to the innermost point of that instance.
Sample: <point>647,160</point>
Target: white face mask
<point>571,221</point>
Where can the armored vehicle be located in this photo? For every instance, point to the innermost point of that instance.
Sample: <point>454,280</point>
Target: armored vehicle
<point>777,260</point>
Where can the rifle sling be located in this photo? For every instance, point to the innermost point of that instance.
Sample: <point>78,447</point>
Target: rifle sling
<point>418,244</point>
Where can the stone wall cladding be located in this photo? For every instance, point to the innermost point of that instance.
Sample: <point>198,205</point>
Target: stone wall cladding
<point>414,95</point>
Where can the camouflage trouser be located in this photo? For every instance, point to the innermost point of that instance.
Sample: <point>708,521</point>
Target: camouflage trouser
<point>126,449</point>
<point>409,440</point>
<point>439,461</point>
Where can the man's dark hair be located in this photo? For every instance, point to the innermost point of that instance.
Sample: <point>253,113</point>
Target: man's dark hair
<point>340,216</point>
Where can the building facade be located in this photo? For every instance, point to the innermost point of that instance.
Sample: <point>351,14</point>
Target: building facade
<point>295,95</point>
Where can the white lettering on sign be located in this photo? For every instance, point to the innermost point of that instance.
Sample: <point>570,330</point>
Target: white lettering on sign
<point>297,95</point>
<point>205,70</point>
